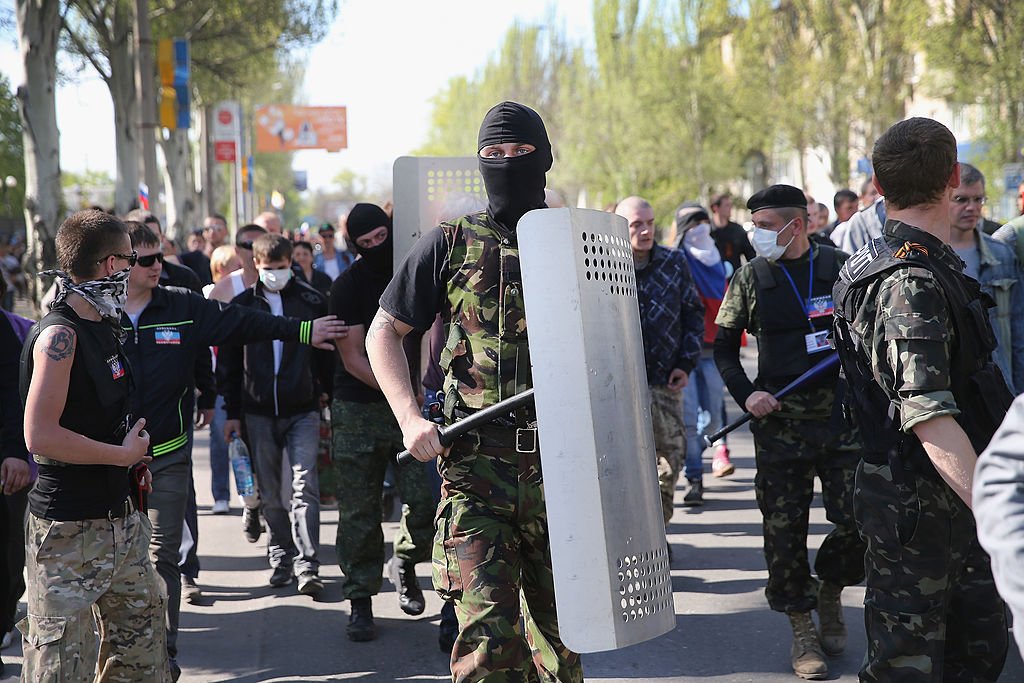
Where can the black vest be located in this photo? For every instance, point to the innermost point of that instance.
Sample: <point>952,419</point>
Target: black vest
<point>784,322</point>
<point>97,406</point>
<point>978,386</point>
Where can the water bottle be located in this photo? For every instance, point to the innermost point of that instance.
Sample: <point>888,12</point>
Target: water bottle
<point>241,464</point>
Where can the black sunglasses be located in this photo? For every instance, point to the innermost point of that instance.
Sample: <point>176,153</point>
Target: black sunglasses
<point>131,258</point>
<point>147,261</point>
<point>244,244</point>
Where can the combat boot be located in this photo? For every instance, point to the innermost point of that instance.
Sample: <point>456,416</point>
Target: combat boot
<point>830,617</point>
<point>807,658</point>
<point>360,621</point>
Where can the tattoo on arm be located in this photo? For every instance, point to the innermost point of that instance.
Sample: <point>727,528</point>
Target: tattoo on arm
<point>61,344</point>
<point>381,322</point>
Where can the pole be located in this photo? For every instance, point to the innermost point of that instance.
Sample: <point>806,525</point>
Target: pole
<point>148,125</point>
<point>821,366</point>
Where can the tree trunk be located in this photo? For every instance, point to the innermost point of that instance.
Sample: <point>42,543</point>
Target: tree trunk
<point>178,186</point>
<point>126,136</point>
<point>39,24</point>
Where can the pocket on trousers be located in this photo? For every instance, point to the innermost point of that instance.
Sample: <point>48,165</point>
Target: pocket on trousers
<point>445,561</point>
<point>43,635</point>
<point>898,633</point>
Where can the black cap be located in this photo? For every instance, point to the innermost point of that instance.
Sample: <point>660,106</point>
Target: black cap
<point>778,197</point>
<point>325,227</point>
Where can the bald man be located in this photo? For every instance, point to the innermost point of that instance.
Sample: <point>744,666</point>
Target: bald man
<point>672,320</point>
<point>269,221</point>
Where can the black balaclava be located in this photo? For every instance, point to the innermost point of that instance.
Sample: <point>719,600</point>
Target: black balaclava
<point>514,185</point>
<point>363,219</point>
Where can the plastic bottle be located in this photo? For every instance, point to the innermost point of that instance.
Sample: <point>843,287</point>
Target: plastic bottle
<point>241,464</point>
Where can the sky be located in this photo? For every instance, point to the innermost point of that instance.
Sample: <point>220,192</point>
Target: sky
<point>382,59</point>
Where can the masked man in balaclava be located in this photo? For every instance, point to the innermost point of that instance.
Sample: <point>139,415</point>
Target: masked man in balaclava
<point>491,542</point>
<point>365,438</point>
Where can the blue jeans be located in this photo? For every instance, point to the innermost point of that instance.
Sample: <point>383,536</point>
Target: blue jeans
<point>220,466</point>
<point>294,524</point>
<point>704,392</point>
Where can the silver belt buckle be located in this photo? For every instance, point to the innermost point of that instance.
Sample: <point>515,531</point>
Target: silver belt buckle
<point>526,440</point>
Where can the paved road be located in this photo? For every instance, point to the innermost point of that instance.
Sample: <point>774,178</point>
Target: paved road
<point>246,631</point>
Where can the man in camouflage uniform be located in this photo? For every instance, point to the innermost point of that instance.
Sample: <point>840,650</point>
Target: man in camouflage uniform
<point>915,341</point>
<point>366,438</point>
<point>784,298</point>
<point>671,316</point>
<point>491,548</point>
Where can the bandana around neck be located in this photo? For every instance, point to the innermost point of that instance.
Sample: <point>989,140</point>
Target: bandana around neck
<point>108,295</point>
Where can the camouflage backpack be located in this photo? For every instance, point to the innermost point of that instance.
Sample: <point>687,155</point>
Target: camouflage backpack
<point>485,357</point>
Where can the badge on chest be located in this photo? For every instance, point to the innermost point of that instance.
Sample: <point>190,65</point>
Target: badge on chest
<point>116,367</point>
<point>168,335</point>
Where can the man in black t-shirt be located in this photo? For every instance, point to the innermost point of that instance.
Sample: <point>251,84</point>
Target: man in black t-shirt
<point>729,236</point>
<point>366,436</point>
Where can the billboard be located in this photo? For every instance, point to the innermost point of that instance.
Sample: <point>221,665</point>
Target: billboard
<point>286,127</point>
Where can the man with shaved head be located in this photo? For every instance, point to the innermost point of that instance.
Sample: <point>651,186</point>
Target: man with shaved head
<point>269,221</point>
<point>672,320</point>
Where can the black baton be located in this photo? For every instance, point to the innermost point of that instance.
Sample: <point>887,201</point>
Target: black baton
<point>447,435</point>
<point>822,365</point>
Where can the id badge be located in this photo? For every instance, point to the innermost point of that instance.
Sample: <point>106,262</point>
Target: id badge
<point>817,341</point>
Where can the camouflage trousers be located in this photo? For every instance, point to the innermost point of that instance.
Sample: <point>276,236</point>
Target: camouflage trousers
<point>366,438</point>
<point>492,558</point>
<point>669,443</point>
<point>88,576</point>
<point>789,453</point>
<point>931,608</point>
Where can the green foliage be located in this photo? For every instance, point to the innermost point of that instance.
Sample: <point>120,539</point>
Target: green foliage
<point>676,100</point>
<point>12,159</point>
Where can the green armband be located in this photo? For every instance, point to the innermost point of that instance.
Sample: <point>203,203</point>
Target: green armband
<point>306,332</point>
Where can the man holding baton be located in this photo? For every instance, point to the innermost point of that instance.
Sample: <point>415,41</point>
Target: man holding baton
<point>784,298</point>
<point>491,543</point>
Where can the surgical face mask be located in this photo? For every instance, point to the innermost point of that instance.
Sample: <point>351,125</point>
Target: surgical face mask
<point>765,242</point>
<point>275,280</point>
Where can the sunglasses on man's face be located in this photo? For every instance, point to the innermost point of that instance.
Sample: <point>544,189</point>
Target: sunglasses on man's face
<point>147,261</point>
<point>244,244</point>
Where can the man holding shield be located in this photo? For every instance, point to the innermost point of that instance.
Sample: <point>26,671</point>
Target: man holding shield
<point>491,539</point>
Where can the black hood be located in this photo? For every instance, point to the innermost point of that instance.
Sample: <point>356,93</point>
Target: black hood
<point>514,185</point>
<point>365,218</point>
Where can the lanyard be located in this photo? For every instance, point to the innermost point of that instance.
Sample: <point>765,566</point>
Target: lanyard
<point>810,286</point>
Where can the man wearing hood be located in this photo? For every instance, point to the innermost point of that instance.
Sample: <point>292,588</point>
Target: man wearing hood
<point>366,437</point>
<point>491,541</point>
<point>704,390</point>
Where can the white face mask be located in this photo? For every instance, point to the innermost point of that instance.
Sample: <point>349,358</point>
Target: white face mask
<point>701,246</point>
<point>275,280</point>
<point>765,242</point>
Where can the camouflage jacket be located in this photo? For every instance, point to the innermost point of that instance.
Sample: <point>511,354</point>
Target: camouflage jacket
<point>906,330</point>
<point>485,357</point>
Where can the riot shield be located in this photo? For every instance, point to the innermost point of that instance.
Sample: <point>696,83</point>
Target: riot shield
<point>428,190</point>
<point>613,586</point>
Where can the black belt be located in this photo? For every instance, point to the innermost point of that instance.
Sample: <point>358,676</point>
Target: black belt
<point>123,510</point>
<point>523,439</point>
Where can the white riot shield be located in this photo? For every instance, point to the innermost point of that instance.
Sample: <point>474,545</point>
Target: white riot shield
<point>428,190</point>
<point>613,586</point>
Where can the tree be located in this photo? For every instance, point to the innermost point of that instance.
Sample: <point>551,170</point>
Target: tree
<point>99,32</point>
<point>978,46</point>
<point>39,25</point>
<point>12,151</point>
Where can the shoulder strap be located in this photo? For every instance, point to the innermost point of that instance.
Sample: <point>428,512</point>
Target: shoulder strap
<point>763,273</point>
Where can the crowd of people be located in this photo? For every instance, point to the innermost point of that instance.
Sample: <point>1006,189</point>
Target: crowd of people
<point>325,358</point>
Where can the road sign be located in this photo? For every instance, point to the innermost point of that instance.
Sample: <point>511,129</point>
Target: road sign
<point>1013,176</point>
<point>285,127</point>
<point>225,151</point>
<point>227,117</point>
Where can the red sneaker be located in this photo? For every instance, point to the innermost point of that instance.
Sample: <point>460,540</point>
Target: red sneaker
<point>721,466</point>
